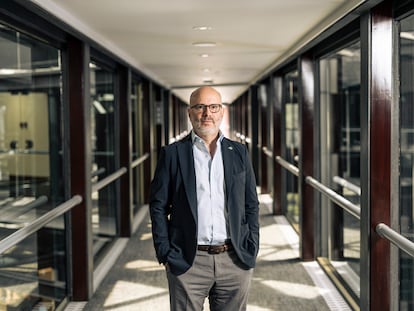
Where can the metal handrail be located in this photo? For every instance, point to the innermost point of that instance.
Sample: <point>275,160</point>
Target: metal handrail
<point>140,160</point>
<point>290,167</point>
<point>382,229</point>
<point>267,152</point>
<point>108,179</point>
<point>39,223</point>
<point>98,172</point>
<point>335,197</point>
<point>394,237</point>
<point>39,201</point>
<point>347,184</point>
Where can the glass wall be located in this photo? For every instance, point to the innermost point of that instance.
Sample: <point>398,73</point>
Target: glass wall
<point>137,145</point>
<point>292,143</point>
<point>31,176</point>
<point>340,158</point>
<point>104,160</point>
<point>406,183</point>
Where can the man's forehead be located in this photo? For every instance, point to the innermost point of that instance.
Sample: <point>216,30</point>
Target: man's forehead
<point>208,95</point>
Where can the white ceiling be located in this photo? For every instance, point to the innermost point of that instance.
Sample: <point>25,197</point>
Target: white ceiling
<point>157,36</point>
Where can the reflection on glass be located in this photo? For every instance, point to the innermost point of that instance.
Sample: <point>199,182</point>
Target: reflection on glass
<point>291,108</point>
<point>406,159</point>
<point>34,271</point>
<point>340,158</point>
<point>104,211</point>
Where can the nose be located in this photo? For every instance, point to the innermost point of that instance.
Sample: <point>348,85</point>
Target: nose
<point>206,111</point>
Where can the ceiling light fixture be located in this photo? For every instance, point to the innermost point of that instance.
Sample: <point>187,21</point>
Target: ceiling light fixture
<point>202,28</point>
<point>204,44</point>
<point>204,55</point>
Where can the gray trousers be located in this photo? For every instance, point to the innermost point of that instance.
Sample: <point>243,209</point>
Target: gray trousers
<point>220,277</point>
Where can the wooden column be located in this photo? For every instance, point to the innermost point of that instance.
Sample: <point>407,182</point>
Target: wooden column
<point>80,168</point>
<point>306,119</point>
<point>125,152</point>
<point>252,110</point>
<point>376,61</point>
<point>146,129</point>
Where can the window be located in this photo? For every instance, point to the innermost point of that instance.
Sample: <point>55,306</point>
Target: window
<point>406,158</point>
<point>33,273</point>
<point>340,158</point>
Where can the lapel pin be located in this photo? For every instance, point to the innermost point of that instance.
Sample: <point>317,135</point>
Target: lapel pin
<point>230,148</point>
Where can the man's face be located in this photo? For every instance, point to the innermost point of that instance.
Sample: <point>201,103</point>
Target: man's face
<point>204,121</point>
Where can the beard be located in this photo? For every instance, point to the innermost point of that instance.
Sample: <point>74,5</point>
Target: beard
<point>211,128</point>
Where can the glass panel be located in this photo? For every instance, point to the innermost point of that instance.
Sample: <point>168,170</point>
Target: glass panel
<point>137,145</point>
<point>30,171</point>
<point>33,273</point>
<point>340,155</point>
<point>104,201</point>
<point>406,159</point>
<point>291,108</point>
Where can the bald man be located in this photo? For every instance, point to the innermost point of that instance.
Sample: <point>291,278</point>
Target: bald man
<point>204,212</point>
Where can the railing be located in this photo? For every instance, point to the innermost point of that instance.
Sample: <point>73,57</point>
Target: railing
<point>290,167</point>
<point>395,238</point>
<point>108,179</point>
<point>335,197</point>
<point>138,161</point>
<point>346,184</point>
<point>243,138</point>
<point>267,152</point>
<point>382,229</point>
<point>16,237</point>
<point>98,172</point>
<point>178,137</point>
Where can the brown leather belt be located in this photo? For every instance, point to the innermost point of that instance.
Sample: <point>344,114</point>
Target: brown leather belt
<point>215,249</point>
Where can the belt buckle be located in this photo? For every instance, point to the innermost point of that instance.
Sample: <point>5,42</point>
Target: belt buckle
<point>215,250</point>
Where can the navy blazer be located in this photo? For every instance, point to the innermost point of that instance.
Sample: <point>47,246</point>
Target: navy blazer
<point>173,204</point>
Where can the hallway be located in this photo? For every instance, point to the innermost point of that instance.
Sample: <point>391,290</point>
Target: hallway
<point>280,282</point>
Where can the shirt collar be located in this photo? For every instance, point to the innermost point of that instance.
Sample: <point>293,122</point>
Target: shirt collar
<point>195,137</point>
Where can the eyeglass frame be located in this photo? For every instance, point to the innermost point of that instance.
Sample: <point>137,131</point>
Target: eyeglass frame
<point>201,107</point>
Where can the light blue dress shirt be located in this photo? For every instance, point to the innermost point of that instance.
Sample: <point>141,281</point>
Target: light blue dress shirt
<point>211,203</point>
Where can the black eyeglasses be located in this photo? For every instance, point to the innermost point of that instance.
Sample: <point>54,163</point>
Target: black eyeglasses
<point>213,107</point>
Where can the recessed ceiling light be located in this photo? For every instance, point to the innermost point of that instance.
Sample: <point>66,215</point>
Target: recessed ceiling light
<point>202,28</point>
<point>204,44</point>
<point>204,55</point>
<point>206,69</point>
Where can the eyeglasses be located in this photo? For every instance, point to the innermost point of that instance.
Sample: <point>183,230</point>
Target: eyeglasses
<point>213,107</point>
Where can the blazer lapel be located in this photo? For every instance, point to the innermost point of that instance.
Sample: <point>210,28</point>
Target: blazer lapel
<point>227,154</point>
<point>186,160</point>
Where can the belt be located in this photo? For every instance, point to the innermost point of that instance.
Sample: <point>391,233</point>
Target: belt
<point>215,249</point>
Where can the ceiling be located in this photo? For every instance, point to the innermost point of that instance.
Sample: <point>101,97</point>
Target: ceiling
<point>247,38</point>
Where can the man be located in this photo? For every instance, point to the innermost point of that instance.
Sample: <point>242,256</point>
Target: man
<point>204,212</point>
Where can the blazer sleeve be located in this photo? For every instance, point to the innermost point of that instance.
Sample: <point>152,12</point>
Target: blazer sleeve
<point>159,205</point>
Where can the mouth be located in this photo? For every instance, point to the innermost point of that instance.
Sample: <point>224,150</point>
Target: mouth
<point>206,121</point>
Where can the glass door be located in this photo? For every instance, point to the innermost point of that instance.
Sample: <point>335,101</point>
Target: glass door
<point>292,143</point>
<point>406,175</point>
<point>104,161</point>
<point>340,159</point>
